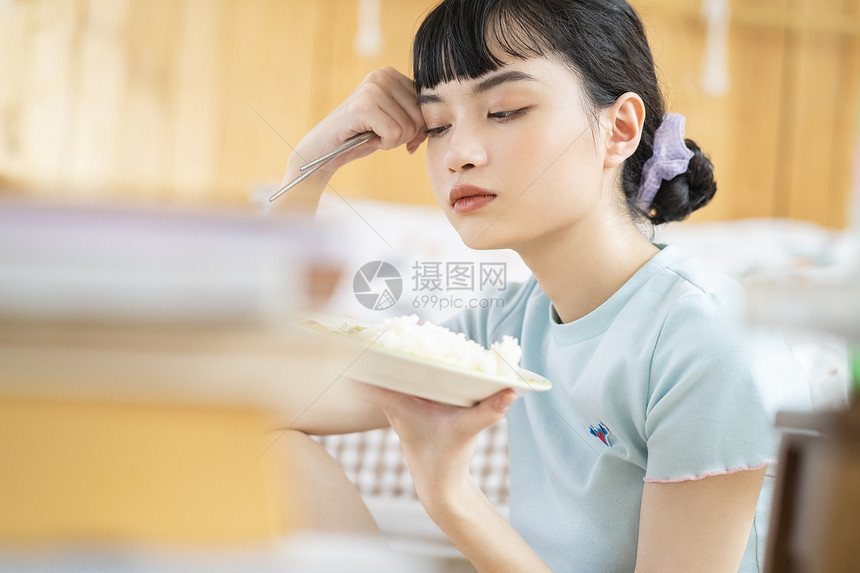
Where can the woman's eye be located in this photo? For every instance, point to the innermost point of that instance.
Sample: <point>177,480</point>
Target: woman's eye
<point>508,114</point>
<point>434,131</point>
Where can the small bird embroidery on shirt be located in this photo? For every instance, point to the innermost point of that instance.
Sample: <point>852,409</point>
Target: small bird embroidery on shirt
<point>601,432</point>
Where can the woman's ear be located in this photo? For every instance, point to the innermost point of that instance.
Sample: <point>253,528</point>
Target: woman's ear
<point>623,123</point>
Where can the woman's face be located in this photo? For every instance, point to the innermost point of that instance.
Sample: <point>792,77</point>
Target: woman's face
<point>513,157</point>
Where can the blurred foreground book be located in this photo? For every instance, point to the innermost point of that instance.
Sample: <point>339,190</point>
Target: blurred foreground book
<point>148,363</point>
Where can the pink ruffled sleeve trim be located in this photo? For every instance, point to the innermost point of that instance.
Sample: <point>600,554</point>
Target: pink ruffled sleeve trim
<point>709,474</point>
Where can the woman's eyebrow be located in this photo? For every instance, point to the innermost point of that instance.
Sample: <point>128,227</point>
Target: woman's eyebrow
<point>429,98</point>
<point>500,78</point>
<point>482,86</point>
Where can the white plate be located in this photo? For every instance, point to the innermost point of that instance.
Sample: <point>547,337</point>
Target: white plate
<point>431,379</point>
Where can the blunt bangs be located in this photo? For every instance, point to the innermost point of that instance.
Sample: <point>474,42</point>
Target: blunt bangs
<point>465,39</point>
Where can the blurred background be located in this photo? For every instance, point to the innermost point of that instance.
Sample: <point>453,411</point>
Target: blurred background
<point>200,100</point>
<point>143,297</point>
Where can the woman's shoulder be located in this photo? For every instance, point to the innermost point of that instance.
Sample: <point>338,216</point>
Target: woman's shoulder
<point>694,307</point>
<point>685,289</point>
<point>691,273</point>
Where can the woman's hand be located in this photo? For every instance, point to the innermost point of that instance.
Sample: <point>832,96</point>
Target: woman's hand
<point>384,103</point>
<point>438,440</point>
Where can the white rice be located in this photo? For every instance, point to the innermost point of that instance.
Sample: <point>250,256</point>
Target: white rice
<point>405,334</point>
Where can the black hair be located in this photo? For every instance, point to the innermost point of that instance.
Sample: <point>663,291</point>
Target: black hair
<point>603,41</point>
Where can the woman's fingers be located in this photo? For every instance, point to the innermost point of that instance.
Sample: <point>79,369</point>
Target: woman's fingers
<point>489,411</point>
<point>384,103</point>
<point>406,96</point>
<point>404,410</point>
<point>385,90</point>
<point>438,440</point>
<point>413,145</point>
<point>408,99</point>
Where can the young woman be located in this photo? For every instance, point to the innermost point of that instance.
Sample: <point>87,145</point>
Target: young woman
<point>547,134</point>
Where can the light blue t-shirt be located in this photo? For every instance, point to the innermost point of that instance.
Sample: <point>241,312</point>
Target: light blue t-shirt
<point>660,383</point>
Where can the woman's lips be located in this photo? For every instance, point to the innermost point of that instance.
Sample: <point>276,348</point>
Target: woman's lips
<point>472,203</point>
<point>468,198</point>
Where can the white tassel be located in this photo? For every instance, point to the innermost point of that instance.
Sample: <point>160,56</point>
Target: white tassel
<point>715,69</point>
<point>368,40</point>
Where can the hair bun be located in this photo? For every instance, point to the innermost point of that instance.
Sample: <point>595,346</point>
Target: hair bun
<point>691,190</point>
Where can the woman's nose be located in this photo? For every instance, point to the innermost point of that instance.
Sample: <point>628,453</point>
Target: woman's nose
<point>466,150</point>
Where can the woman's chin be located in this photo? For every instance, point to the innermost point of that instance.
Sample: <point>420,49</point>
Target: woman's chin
<point>483,233</point>
<point>482,240</point>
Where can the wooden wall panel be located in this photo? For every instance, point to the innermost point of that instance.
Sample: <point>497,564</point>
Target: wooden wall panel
<point>277,106</point>
<point>679,73</point>
<point>809,183</point>
<point>391,175</point>
<point>46,107</point>
<point>98,61</point>
<point>748,180</point>
<point>198,99</point>
<point>778,138</point>
<point>202,100</point>
<point>147,159</point>
<point>739,130</point>
<point>15,30</point>
<point>241,136</point>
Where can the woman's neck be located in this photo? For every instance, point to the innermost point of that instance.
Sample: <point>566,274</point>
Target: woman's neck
<point>582,266</point>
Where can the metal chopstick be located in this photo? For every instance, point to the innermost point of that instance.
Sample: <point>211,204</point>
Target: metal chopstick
<point>350,143</point>
<point>309,169</point>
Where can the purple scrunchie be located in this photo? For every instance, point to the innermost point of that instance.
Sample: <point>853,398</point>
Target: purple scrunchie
<point>671,158</point>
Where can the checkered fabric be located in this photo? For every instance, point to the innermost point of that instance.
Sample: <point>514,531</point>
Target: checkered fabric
<point>374,462</point>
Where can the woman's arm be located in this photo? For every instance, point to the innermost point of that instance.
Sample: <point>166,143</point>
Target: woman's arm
<point>480,532</point>
<point>321,420</point>
<point>700,525</point>
<point>697,525</point>
<point>438,442</point>
<point>384,103</point>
